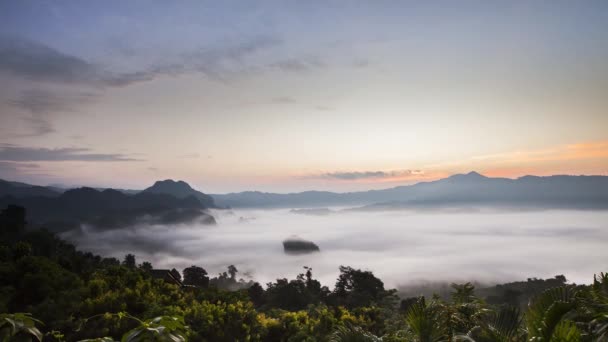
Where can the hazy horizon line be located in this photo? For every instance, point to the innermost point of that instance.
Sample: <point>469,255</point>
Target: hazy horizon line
<point>66,187</point>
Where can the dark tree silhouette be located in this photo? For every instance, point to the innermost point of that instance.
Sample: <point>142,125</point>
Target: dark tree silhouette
<point>356,288</point>
<point>12,220</point>
<point>21,249</point>
<point>256,294</point>
<point>196,276</point>
<point>129,261</point>
<point>146,266</point>
<point>176,274</point>
<point>232,271</point>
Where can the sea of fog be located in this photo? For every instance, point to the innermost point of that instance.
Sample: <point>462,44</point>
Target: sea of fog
<point>400,247</point>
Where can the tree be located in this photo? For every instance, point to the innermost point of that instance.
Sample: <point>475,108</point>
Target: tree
<point>146,266</point>
<point>547,314</point>
<point>12,219</point>
<point>356,288</point>
<point>21,249</point>
<point>463,293</point>
<point>502,325</point>
<point>175,274</point>
<point>425,322</point>
<point>196,276</point>
<point>232,271</point>
<point>256,294</point>
<point>129,261</point>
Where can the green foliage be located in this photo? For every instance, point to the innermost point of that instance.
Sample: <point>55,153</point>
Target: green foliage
<point>425,322</point>
<point>19,327</point>
<point>223,321</point>
<point>503,325</point>
<point>161,329</point>
<point>548,310</point>
<point>463,293</point>
<point>566,331</point>
<point>353,334</point>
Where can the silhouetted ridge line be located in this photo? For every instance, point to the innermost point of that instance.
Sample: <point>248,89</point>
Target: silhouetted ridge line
<point>471,189</point>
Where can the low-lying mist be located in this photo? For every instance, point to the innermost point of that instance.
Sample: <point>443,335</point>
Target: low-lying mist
<point>400,247</point>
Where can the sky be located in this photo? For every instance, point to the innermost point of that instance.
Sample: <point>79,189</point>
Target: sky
<point>289,96</point>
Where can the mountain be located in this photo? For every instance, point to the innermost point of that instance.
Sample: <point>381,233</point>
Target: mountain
<point>180,189</point>
<point>108,208</point>
<point>471,189</point>
<point>17,189</point>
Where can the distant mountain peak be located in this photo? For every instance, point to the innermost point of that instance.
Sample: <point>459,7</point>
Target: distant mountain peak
<point>179,189</point>
<point>171,183</point>
<point>473,175</point>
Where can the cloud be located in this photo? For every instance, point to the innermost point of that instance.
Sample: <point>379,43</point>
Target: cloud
<point>234,51</point>
<point>323,108</point>
<point>40,126</point>
<point>36,61</point>
<point>29,154</point>
<point>579,151</point>
<point>12,170</point>
<point>283,100</point>
<point>190,156</point>
<point>361,63</point>
<point>40,105</point>
<point>11,166</point>
<point>399,246</point>
<point>39,62</point>
<point>355,175</point>
<point>298,64</point>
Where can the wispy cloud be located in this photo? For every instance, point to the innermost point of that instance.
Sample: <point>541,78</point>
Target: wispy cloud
<point>39,62</point>
<point>11,166</point>
<point>298,64</point>
<point>40,105</point>
<point>324,108</point>
<point>29,154</point>
<point>15,170</point>
<point>586,150</point>
<point>367,175</point>
<point>283,100</point>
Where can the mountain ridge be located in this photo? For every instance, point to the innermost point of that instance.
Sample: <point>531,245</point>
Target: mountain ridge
<point>471,188</point>
<point>108,208</point>
<point>180,189</point>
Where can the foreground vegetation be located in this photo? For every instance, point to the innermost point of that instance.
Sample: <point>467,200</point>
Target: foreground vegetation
<point>49,291</point>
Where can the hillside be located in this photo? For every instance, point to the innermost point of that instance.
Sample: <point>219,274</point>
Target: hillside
<point>17,189</point>
<point>180,189</point>
<point>107,208</point>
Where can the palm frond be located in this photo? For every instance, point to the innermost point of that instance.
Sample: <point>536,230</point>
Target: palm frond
<point>353,334</point>
<point>546,312</point>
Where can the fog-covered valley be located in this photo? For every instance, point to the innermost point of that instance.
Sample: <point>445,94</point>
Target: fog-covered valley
<point>400,247</point>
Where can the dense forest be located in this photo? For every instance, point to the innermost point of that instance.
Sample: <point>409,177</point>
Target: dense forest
<point>50,291</point>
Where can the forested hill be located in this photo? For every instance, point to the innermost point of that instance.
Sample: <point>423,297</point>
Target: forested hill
<point>180,189</point>
<point>166,201</point>
<point>17,189</point>
<point>577,192</point>
<point>107,208</point>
